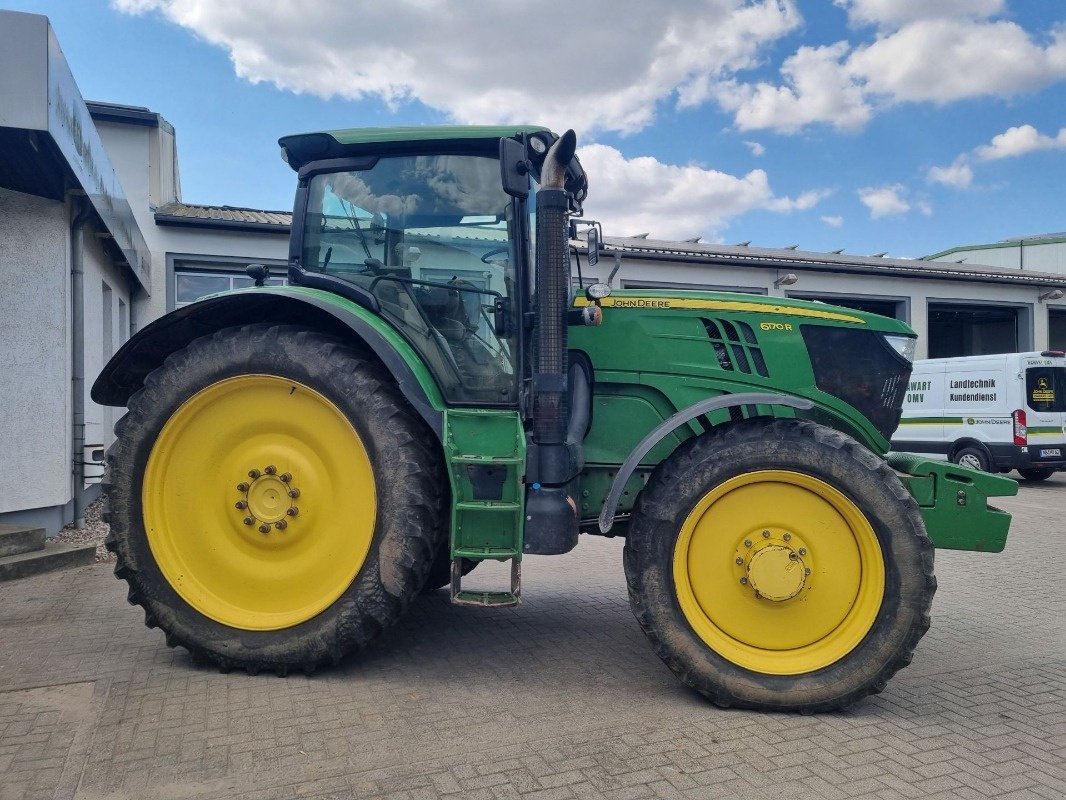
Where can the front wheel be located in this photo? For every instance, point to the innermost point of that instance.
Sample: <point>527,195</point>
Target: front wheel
<point>779,565</point>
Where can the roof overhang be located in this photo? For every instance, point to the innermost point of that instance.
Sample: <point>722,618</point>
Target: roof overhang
<point>48,141</point>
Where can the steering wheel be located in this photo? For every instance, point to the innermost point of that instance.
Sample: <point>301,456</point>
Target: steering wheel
<point>485,258</point>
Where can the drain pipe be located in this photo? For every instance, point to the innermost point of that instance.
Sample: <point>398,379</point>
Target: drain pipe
<point>77,367</point>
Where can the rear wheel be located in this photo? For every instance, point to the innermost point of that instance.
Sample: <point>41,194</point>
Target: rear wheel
<point>974,458</point>
<point>274,502</point>
<point>1036,474</point>
<point>779,565</point>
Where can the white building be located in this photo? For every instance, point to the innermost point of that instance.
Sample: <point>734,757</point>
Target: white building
<point>96,242</point>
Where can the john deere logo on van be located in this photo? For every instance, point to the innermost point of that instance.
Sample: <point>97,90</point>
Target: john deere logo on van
<point>775,326</point>
<point>971,421</point>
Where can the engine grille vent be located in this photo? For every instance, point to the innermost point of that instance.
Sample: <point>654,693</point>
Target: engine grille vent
<point>735,346</point>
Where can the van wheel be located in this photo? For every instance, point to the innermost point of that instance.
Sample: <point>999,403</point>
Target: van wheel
<point>1036,474</point>
<point>972,457</point>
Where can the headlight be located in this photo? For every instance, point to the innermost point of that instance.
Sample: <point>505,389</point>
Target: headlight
<point>904,345</point>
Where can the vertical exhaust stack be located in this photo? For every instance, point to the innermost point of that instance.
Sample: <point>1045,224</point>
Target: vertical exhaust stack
<point>552,525</point>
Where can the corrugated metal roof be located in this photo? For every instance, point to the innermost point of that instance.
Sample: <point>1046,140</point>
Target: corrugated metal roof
<point>223,216</point>
<point>787,259</point>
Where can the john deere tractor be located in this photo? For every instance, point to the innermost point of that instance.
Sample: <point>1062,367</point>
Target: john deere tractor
<point>425,392</point>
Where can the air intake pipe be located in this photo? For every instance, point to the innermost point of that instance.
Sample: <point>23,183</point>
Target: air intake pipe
<point>551,526</point>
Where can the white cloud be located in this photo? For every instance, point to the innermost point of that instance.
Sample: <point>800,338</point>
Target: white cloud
<point>816,89</point>
<point>756,148</point>
<point>1018,141</point>
<point>884,201</point>
<point>643,194</point>
<point>958,174</point>
<point>929,51</point>
<point>898,12</point>
<point>505,62</point>
<point>833,222</point>
<point>925,207</point>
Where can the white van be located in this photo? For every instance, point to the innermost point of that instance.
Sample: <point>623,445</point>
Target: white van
<point>994,413</point>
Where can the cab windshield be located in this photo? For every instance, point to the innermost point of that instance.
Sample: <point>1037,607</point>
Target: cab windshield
<point>432,238</point>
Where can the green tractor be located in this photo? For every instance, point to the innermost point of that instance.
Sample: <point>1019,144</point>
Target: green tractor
<point>298,462</point>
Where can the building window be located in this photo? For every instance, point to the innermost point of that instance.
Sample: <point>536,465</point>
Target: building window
<point>123,322</point>
<point>1056,324</point>
<point>976,330</point>
<point>191,286</point>
<point>107,325</point>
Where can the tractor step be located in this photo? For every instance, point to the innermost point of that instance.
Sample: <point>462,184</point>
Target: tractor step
<point>487,599</point>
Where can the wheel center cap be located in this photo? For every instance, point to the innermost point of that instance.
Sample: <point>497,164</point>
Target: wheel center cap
<point>268,499</point>
<point>775,573</point>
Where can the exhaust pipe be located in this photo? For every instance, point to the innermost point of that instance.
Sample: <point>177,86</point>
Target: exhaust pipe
<point>552,525</point>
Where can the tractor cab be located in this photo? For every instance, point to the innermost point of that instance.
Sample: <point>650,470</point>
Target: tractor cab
<point>420,226</point>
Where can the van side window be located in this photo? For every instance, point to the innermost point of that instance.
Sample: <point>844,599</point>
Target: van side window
<point>1045,388</point>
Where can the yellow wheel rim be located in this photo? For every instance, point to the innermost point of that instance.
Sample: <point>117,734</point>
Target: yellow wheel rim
<point>259,502</point>
<point>779,572</point>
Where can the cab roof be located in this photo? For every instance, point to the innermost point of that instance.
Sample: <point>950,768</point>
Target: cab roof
<point>299,149</point>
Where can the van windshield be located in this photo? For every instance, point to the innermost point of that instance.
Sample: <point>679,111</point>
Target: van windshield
<point>1045,388</point>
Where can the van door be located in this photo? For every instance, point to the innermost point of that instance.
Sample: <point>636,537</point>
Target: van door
<point>1045,397</point>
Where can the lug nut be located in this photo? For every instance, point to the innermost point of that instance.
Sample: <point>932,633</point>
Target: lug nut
<point>240,504</point>
<point>294,493</point>
<point>254,473</point>
<point>281,524</point>
<point>803,551</point>
<point>793,557</point>
<point>747,542</point>
<point>744,581</point>
<point>740,560</point>
<point>270,469</point>
<point>264,528</point>
<point>292,511</point>
<point>285,476</point>
<point>766,534</point>
<point>807,571</point>
<point>242,487</point>
<point>249,521</point>
<point>787,537</point>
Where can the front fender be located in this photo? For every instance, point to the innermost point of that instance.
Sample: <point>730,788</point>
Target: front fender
<point>125,373</point>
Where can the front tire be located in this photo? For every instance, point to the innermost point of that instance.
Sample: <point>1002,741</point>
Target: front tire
<point>274,502</point>
<point>974,458</point>
<point>779,565</point>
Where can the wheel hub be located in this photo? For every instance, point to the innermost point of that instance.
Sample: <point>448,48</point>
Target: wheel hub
<point>269,500</point>
<point>774,564</point>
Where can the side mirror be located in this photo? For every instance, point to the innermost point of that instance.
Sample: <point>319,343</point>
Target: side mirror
<point>501,317</point>
<point>594,246</point>
<point>514,168</point>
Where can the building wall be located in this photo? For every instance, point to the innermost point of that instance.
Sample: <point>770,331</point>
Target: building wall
<point>106,292</point>
<point>35,428</point>
<point>1037,255</point>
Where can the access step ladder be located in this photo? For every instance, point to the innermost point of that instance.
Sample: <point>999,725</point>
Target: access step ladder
<point>486,454</point>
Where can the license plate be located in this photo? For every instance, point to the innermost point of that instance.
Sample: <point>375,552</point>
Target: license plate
<point>1051,452</point>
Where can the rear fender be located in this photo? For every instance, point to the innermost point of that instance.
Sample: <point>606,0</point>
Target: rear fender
<point>125,373</point>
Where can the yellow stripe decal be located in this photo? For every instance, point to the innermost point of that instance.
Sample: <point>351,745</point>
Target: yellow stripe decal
<point>718,305</point>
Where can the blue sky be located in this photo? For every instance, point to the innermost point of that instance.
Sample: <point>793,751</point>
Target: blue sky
<point>870,125</point>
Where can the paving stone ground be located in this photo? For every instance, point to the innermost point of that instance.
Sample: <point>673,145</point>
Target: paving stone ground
<point>559,698</point>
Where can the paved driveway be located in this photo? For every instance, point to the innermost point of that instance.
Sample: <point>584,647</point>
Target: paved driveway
<point>559,698</point>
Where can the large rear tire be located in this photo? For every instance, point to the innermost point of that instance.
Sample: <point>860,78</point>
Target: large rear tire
<point>274,501</point>
<point>779,565</point>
